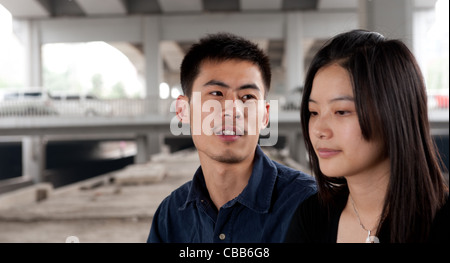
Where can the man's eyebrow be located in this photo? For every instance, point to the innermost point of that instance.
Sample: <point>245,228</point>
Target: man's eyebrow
<point>250,86</point>
<point>224,85</point>
<point>216,83</point>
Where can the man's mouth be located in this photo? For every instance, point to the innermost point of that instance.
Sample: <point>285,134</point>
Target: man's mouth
<point>229,131</point>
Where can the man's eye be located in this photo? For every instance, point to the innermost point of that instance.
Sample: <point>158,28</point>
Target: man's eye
<point>216,93</point>
<point>248,97</point>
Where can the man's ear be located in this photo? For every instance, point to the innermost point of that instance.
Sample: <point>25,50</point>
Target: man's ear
<point>265,118</point>
<point>183,109</point>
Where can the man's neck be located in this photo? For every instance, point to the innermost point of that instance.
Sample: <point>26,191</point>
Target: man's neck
<point>225,181</point>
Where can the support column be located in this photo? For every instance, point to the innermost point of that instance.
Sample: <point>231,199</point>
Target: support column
<point>294,51</point>
<point>147,145</point>
<point>153,61</point>
<point>142,155</point>
<point>33,147</point>
<point>155,142</point>
<point>393,19</point>
<point>33,158</point>
<point>28,31</point>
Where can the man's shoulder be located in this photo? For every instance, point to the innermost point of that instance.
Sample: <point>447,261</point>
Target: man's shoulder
<point>292,183</point>
<point>290,175</point>
<point>178,196</point>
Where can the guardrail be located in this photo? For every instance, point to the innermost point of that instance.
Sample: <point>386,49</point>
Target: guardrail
<point>127,107</point>
<point>87,108</point>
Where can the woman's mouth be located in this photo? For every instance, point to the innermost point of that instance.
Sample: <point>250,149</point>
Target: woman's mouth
<point>326,153</point>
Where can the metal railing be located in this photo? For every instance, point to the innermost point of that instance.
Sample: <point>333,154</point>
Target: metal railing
<point>126,107</point>
<point>87,108</point>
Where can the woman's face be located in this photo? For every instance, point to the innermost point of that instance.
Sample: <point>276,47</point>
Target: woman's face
<point>334,128</point>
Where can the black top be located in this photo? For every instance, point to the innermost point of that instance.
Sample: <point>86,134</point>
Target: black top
<point>315,223</point>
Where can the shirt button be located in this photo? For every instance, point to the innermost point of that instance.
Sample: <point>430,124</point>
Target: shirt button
<point>222,236</point>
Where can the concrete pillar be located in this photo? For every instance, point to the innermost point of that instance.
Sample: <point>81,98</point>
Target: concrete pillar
<point>28,31</point>
<point>142,155</point>
<point>147,145</point>
<point>155,142</point>
<point>294,59</point>
<point>296,147</point>
<point>33,147</point>
<point>393,19</point>
<point>33,158</point>
<point>153,61</point>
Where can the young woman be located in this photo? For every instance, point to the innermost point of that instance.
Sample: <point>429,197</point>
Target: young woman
<point>365,120</point>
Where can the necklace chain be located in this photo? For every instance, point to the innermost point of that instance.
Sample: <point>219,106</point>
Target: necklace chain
<point>370,239</point>
<point>357,215</point>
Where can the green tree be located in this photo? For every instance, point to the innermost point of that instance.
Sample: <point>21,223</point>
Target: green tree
<point>118,91</point>
<point>97,85</point>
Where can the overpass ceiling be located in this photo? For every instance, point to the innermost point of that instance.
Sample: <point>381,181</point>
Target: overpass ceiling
<point>61,8</point>
<point>172,52</point>
<point>58,8</point>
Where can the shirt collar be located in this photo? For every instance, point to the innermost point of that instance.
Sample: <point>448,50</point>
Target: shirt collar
<point>197,189</point>
<point>257,195</point>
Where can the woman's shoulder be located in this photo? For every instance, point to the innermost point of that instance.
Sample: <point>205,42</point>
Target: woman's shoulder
<point>440,230</point>
<point>315,221</point>
<point>317,205</point>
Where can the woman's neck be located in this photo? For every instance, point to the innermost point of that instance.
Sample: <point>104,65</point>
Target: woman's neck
<point>368,189</point>
<point>364,208</point>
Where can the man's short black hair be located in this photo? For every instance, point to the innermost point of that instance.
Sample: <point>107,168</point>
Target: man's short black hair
<point>221,47</point>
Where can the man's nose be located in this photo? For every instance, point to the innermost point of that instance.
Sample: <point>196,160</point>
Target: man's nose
<point>233,109</point>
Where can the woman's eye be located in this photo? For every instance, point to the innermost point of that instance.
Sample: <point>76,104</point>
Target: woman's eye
<point>313,113</point>
<point>342,112</point>
<point>216,93</point>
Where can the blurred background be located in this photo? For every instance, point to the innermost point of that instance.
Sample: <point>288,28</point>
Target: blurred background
<point>86,89</point>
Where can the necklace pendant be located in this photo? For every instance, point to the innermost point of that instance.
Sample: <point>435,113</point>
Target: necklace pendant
<point>372,239</point>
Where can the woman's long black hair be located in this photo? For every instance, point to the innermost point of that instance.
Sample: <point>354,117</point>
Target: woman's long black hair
<point>391,103</point>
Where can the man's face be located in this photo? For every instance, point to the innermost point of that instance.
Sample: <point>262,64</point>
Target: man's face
<point>227,110</point>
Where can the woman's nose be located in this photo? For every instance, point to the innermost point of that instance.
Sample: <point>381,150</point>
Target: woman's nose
<point>320,128</point>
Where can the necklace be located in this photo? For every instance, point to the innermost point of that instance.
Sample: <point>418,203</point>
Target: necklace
<point>369,239</point>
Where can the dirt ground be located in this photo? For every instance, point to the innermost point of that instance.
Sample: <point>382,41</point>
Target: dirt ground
<point>100,210</point>
<point>87,231</point>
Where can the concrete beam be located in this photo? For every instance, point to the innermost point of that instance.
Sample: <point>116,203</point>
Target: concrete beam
<point>103,7</point>
<point>252,5</point>
<point>128,29</point>
<point>393,19</point>
<point>25,9</point>
<point>177,6</point>
<point>191,27</point>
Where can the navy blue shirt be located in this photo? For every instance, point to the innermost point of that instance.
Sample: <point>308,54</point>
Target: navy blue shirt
<point>261,213</point>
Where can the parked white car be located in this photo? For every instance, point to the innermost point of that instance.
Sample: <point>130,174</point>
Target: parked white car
<point>26,103</point>
<point>81,105</point>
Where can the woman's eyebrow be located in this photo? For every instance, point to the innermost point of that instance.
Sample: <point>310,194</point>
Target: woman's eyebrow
<point>339,98</point>
<point>345,98</point>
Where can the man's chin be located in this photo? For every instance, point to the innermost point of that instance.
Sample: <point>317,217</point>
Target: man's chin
<point>228,159</point>
<point>228,156</point>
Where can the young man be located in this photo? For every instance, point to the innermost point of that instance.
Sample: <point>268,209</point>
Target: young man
<point>237,194</point>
